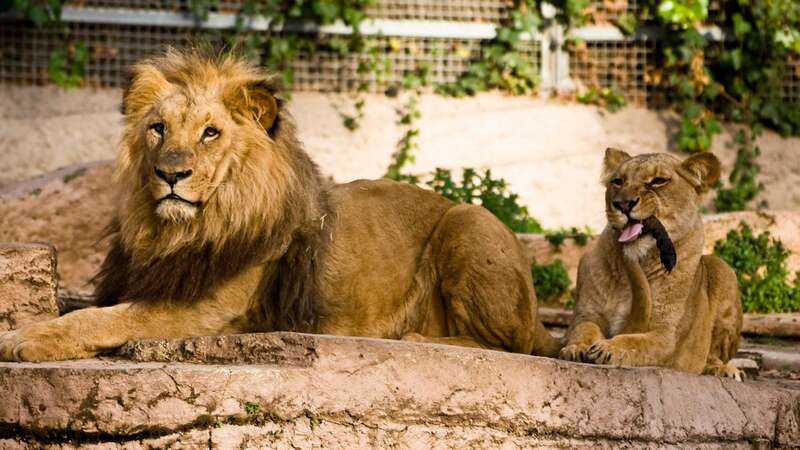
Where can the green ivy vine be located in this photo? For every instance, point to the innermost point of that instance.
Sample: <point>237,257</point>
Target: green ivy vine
<point>503,63</point>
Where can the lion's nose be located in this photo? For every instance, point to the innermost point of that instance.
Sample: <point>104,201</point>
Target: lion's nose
<point>172,177</point>
<point>625,206</point>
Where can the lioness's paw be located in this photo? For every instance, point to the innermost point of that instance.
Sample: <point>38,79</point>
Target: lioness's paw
<point>724,370</point>
<point>37,342</point>
<point>573,352</point>
<point>607,351</point>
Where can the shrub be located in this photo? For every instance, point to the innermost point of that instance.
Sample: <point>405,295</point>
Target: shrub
<point>550,280</point>
<point>491,193</point>
<point>760,265</point>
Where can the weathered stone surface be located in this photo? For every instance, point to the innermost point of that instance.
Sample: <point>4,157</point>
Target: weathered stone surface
<point>359,392</point>
<point>28,284</point>
<point>775,325</point>
<point>288,349</point>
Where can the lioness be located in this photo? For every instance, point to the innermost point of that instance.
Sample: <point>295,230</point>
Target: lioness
<point>646,296</point>
<point>225,225</point>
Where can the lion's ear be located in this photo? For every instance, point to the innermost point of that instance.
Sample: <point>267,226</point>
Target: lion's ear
<point>701,170</point>
<point>259,99</point>
<point>146,85</point>
<point>613,158</point>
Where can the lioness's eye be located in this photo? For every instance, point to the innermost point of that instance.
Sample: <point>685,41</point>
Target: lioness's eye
<point>210,132</point>
<point>158,127</point>
<point>658,181</point>
<point>617,182</point>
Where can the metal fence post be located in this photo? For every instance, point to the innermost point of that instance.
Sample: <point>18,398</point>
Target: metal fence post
<point>547,49</point>
<point>555,59</point>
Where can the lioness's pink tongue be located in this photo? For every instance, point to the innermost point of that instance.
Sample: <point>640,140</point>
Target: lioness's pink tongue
<point>630,232</point>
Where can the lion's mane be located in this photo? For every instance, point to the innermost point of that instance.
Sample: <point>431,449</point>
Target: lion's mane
<point>271,208</point>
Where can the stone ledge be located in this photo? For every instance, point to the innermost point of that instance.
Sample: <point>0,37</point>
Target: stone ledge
<point>359,392</point>
<point>28,284</point>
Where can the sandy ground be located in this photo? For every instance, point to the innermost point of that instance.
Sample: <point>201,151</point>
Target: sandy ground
<point>549,152</point>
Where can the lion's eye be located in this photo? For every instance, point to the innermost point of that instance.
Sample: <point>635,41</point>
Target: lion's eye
<point>210,132</point>
<point>658,181</point>
<point>617,182</point>
<point>158,127</point>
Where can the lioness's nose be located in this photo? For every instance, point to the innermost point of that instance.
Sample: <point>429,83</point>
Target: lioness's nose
<point>172,177</point>
<point>625,206</point>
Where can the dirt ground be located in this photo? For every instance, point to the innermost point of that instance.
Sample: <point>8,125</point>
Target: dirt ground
<point>549,152</point>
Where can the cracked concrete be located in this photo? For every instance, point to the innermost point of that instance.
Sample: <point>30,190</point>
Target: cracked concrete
<point>310,391</point>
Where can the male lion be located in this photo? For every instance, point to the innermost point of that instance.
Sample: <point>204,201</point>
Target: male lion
<point>225,225</point>
<point>646,296</point>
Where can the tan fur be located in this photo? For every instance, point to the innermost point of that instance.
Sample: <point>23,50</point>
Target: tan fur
<point>262,243</point>
<point>629,309</point>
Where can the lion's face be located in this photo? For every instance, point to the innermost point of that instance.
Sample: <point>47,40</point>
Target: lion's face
<point>654,185</point>
<point>186,140</point>
<point>191,126</point>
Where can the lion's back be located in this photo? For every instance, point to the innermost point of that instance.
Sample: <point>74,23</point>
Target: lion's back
<point>386,214</point>
<point>380,237</point>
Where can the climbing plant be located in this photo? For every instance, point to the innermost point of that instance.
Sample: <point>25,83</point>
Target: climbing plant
<point>407,145</point>
<point>503,63</point>
<point>491,193</point>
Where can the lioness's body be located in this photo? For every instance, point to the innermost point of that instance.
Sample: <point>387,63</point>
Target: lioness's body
<point>630,310</point>
<point>226,226</point>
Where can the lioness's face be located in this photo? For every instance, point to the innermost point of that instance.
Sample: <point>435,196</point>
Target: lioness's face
<point>654,185</point>
<point>187,140</point>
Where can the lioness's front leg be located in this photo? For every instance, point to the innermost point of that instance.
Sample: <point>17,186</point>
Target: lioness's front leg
<point>639,349</point>
<point>87,332</point>
<point>580,338</point>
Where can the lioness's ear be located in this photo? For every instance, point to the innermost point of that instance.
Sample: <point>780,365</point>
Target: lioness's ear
<point>259,99</point>
<point>701,170</point>
<point>146,85</point>
<point>614,157</point>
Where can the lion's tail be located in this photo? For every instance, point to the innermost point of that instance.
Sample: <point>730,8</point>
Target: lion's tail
<point>544,344</point>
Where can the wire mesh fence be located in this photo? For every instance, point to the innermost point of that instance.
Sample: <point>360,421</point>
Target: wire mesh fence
<point>490,11</point>
<point>790,88</point>
<point>605,12</point>
<point>445,60</point>
<point>621,63</point>
<point>24,53</point>
<point>25,50</point>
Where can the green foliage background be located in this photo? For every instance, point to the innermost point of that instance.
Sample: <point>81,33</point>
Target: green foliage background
<point>760,265</point>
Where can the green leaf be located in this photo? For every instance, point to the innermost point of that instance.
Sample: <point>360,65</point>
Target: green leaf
<point>627,23</point>
<point>740,26</point>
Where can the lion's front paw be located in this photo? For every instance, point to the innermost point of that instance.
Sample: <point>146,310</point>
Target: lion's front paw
<point>38,342</point>
<point>607,351</point>
<point>573,352</point>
